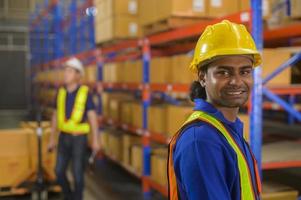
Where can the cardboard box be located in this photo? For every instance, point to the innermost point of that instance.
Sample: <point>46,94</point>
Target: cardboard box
<point>117,27</point>
<point>158,164</point>
<point>189,8</point>
<point>90,74</point>
<point>137,158</point>
<point>136,72</point>
<point>14,170</point>
<point>147,11</point>
<point>34,125</point>
<point>102,9</point>
<point>160,70</point>
<point>133,72</point>
<point>113,72</point>
<point>110,8</point>
<point>244,5</point>
<point>180,73</point>
<point>115,109</point>
<point>115,147</point>
<point>16,153</point>
<point>126,112</point>
<point>157,119</point>
<point>156,10</point>
<point>272,59</point>
<point>137,114</point>
<point>106,101</point>
<point>278,13</point>
<point>104,140</point>
<point>246,121</point>
<point>295,9</point>
<point>176,116</point>
<point>220,8</point>
<point>160,150</point>
<point>127,142</point>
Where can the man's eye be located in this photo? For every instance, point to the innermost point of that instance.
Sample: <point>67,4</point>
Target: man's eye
<point>224,73</point>
<point>246,72</point>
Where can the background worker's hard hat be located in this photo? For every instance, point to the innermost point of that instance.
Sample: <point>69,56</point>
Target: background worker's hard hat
<point>222,39</point>
<point>75,64</point>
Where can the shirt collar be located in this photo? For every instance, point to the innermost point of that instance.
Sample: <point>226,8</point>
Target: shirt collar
<point>74,91</point>
<point>207,107</point>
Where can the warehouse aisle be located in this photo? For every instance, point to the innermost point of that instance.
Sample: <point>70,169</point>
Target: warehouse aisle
<point>108,181</point>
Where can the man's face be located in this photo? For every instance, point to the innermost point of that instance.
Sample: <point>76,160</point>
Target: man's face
<point>71,75</point>
<point>228,81</point>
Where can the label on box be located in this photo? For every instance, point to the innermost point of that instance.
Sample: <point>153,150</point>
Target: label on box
<point>133,29</point>
<point>216,3</point>
<point>198,5</point>
<point>132,7</point>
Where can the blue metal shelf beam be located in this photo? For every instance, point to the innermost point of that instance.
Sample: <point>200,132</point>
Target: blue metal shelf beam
<point>293,60</point>
<point>282,103</point>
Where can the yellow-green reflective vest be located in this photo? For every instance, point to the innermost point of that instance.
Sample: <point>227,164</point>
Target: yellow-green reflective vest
<point>246,185</point>
<point>72,125</point>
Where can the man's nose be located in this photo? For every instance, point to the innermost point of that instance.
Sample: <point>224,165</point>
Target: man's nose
<point>235,79</point>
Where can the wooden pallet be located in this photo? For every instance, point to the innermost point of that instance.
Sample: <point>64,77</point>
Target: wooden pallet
<point>170,23</point>
<point>113,41</point>
<point>19,191</point>
<point>277,191</point>
<point>12,191</point>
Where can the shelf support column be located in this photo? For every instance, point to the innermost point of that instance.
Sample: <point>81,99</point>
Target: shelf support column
<point>256,107</point>
<point>145,106</point>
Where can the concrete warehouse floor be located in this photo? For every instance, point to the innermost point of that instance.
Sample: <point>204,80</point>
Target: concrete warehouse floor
<point>109,181</point>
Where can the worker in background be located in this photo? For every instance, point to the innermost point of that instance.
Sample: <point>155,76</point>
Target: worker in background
<point>208,157</point>
<point>74,118</point>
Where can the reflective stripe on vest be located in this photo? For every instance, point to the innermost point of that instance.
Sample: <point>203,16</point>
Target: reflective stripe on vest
<point>247,190</point>
<point>72,125</point>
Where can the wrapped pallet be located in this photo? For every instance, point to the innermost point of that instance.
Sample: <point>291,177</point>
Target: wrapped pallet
<point>15,162</point>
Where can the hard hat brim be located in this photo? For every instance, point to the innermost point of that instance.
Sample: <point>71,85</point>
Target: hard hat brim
<point>257,60</point>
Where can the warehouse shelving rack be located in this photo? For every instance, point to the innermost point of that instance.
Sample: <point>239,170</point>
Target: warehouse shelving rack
<point>46,29</point>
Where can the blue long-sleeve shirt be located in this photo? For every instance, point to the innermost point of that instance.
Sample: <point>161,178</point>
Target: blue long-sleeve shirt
<point>205,163</point>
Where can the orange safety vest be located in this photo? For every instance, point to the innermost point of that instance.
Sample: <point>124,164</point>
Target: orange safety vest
<point>72,125</point>
<point>247,190</point>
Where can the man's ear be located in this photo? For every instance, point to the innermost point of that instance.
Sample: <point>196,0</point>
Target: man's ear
<point>202,78</point>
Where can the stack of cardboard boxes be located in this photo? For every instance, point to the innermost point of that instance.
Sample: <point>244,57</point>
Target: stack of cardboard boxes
<point>167,119</point>
<point>162,70</point>
<point>123,72</point>
<point>116,19</point>
<point>19,155</point>
<point>176,13</point>
<point>90,74</point>
<point>124,148</point>
<point>123,19</point>
<point>158,164</point>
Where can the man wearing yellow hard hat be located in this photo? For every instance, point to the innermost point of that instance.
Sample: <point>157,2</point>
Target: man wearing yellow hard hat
<point>208,157</point>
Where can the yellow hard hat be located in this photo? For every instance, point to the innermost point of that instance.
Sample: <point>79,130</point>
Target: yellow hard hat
<point>222,39</point>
